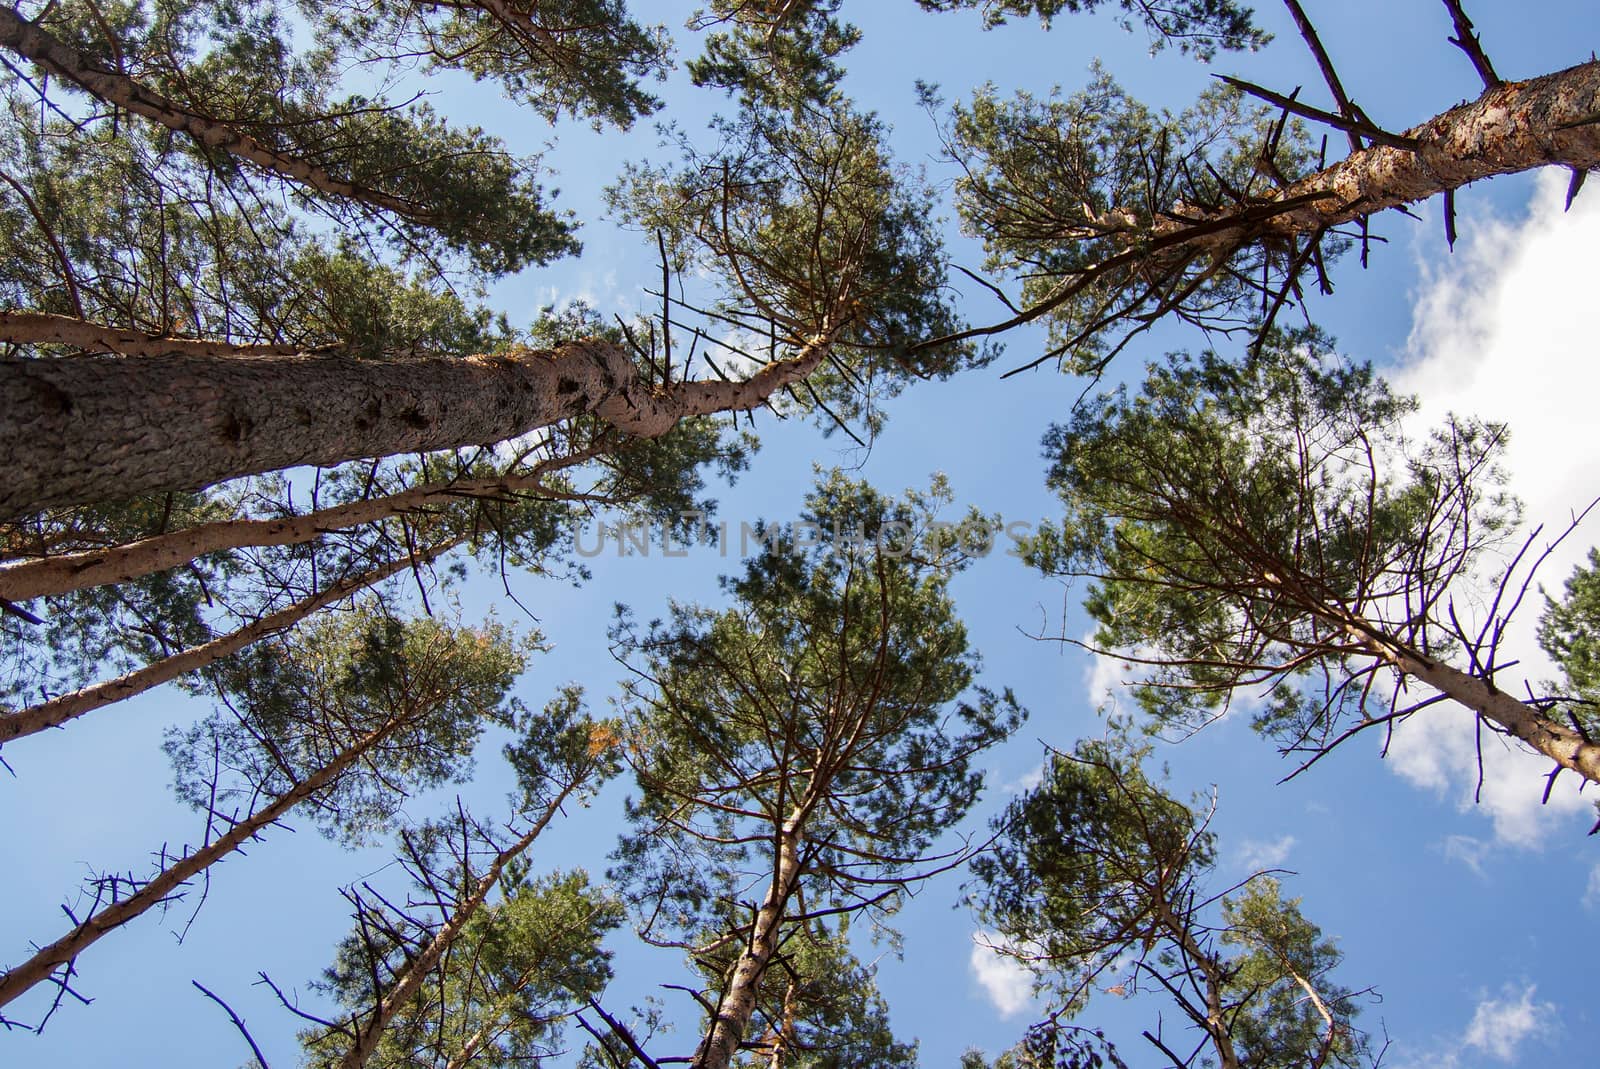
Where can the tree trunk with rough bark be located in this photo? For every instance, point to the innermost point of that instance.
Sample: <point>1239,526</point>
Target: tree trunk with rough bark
<point>85,429</point>
<point>1516,126</point>
<point>739,1000</point>
<point>1560,743</point>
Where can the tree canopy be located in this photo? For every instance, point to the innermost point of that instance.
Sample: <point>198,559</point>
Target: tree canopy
<point>271,430</point>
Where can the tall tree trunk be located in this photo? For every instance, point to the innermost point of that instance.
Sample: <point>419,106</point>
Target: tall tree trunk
<point>65,572</point>
<point>417,969</point>
<point>1217,1025</point>
<point>58,711</point>
<point>85,429</point>
<point>739,1000</point>
<point>61,953</point>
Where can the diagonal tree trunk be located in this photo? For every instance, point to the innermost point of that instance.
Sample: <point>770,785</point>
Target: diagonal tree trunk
<point>44,328</point>
<point>78,430</point>
<point>67,707</point>
<point>1551,120</point>
<point>66,572</point>
<point>65,62</point>
<point>417,969</point>
<point>1516,126</point>
<point>1560,743</point>
<point>65,950</point>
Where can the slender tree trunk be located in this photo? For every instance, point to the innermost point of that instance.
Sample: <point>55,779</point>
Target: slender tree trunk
<point>739,1001</point>
<point>1546,736</point>
<point>417,969</point>
<point>1215,1023</point>
<point>65,62</point>
<point>85,429</point>
<point>44,964</point>
<point>58,711</point>
<point>65,572</point>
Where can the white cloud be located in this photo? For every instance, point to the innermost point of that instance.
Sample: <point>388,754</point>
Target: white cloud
<point>1258,854</point>
<point>1007,984</point>
<point>1591,893</point>
<point>1498,1029</point>
<point>1502,330</point>
<point>1500,1026</point>
<point>1107,677</point>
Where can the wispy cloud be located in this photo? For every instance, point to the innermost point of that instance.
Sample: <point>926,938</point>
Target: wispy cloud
<point>1467,850</point>
<point>1258,854</point>
<point>1501,1027</point>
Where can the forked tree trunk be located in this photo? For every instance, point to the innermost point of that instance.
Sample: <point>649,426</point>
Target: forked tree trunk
<point>86,429</point>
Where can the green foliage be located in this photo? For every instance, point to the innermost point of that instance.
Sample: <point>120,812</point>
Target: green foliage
<point>831,702</point>
<point>1247,524</point>
<point>1099,869</point>
<point>1280,948</point>
<point>1086,864</point>
<point>1569,631</point>
<point>783,55</point>
<point>102,631</point>
<point>820,1007</point>
<point>806,225</point>
<point>521,957</point>
<point>520,965</point>
<point>128,232</point>
<point>1199,27</point>
<point>297,703</point>
<point>1052,1045</point>
<point>583,58</point>
<point>1070,194</point>
<point>458,188</point>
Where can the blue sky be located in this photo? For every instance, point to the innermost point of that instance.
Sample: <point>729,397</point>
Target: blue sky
<point>1469,919</point>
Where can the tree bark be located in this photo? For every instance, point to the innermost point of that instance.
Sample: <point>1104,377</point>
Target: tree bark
<point>84,429</point>
<point>1216,1024</point>
<point>1546,736</point>
<point>16,981</point>
<point>43,328</point>
<point>66,572</point>
<point>58,711</point>
<point>65,62</point>
<point>739,1000</point>
<point>1513,127</point>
